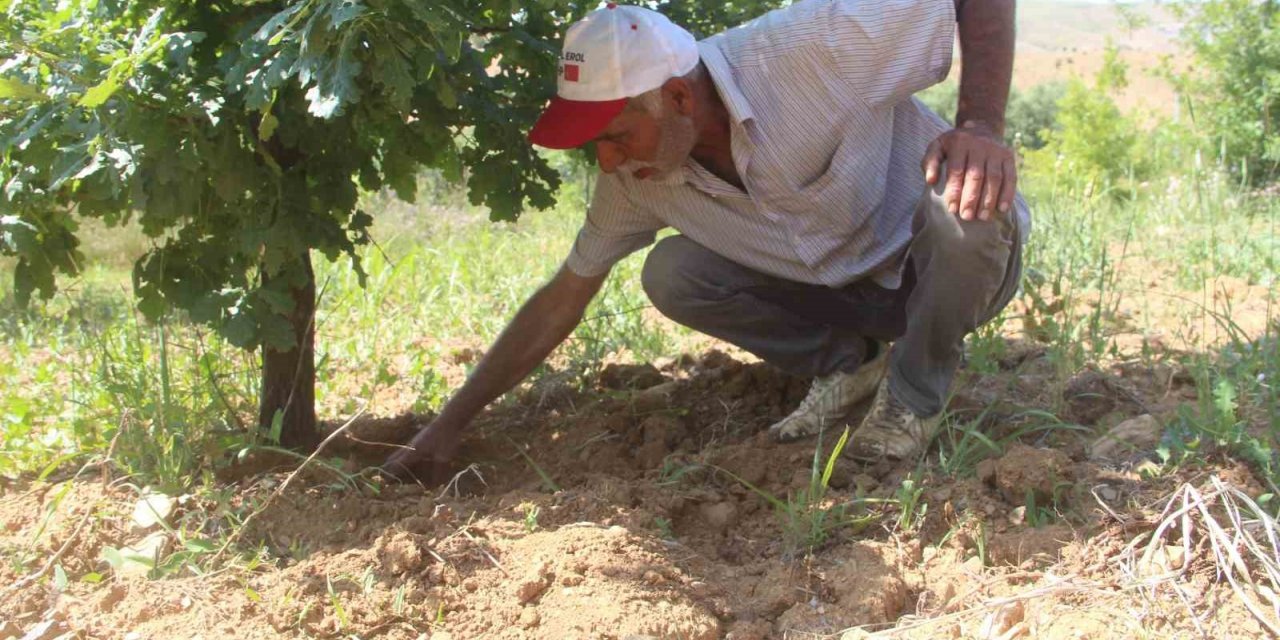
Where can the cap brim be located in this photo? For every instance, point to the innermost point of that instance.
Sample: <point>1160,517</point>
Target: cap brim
<point>571,123</point>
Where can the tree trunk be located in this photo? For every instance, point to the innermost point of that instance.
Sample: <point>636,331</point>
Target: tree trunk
<point>289,377</point>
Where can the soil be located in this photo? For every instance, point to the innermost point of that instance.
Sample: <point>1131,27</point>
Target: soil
<point>641,507</point>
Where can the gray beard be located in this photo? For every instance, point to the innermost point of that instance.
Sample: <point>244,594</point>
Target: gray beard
<point>675,142</point>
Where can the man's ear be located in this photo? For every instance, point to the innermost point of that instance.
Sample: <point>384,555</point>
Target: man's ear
<point>677,94</point>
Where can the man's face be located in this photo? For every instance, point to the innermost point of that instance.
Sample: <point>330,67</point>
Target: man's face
<point>644,144</point>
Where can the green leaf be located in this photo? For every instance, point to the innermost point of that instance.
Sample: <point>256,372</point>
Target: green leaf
<point>267,127</point>
<point>343,11</point>
<point>277,427</point>
<point>113,557</point>
<point>200,545</point>
<point>98,94</point>
<point>18,90</point>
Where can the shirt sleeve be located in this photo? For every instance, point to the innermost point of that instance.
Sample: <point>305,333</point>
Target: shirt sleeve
<point>889,49</point>
<point>615,228</point>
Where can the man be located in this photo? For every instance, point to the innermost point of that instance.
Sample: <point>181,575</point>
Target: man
<point>792,158</point>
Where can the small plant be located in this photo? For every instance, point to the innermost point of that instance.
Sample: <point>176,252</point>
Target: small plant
<point>664,528</point>
<point>1037,515</point>
<point>807,518</point>
<point>531,512</point>
<point>547,483</point>
<point>981,543</point>
<point>908,498</point>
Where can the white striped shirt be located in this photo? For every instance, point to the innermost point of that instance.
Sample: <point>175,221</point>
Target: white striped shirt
<point>825,136</point>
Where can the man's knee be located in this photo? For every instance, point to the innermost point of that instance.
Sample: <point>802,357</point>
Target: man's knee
<point>950,239</point>
<point>667,273</point>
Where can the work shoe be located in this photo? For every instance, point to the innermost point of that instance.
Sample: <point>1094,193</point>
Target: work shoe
<point>891,430</point>
<point>830,399</point>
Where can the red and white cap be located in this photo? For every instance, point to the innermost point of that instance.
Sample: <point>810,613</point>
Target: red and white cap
<point>614,53</point>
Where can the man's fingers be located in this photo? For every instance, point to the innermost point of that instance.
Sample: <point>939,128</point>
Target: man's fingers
<point>991,190</point>
<point>932,158</point>
<point>1009,186</point>
<point>974,177</point>
<point>955,183</point>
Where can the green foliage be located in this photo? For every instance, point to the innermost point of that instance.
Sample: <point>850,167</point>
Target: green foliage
<point>1028,114</point>
<point>1095,147</point>
<point>1032,114</point>
<point>239,134</point>
<point>1234,85</point>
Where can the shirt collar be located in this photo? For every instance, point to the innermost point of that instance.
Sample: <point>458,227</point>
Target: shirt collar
<point>736,103</point>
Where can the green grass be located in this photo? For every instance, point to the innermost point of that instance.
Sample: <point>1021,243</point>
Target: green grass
<point>83,367</point>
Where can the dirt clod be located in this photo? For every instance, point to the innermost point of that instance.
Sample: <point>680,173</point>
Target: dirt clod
<point>1024,470</point>
<point>630,376</point>
<point>719,516</point>
<point>399,552</point>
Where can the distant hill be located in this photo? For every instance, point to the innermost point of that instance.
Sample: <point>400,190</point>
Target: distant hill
<point>1048,26</point>
<point>1061,39</point>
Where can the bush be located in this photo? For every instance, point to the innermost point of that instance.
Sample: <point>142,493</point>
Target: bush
<point>1234,89</point>
<point>1094,146</point>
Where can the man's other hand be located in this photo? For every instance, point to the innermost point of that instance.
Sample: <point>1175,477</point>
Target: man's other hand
<point>982,174</point>
<point>428,457</point>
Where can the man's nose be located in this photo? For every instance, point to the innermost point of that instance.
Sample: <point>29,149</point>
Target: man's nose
<point>608,156</point>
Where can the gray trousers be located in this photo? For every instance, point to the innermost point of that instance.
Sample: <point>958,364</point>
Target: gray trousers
<point>959,274</point>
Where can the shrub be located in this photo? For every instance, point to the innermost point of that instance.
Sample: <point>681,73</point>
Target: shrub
<point>1234,87</point>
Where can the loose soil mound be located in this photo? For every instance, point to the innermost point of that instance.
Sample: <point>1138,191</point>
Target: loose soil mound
<point>644,507</point>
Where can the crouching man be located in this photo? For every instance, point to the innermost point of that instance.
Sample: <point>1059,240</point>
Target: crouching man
<point>823,212</point>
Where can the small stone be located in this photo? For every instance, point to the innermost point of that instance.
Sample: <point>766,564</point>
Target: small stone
<point>1000,621</point>
<point>654,398</point>
<point>1018,515</point>
<point>1164,559</point>
<point>1107,493</point>
<point>529,618</point>
<point>148,551</point>
<point>1135,434</point>
<point>865,483</point>
<point>151,510</point>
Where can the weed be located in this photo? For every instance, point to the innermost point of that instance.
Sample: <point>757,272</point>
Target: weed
<point>964,445</point>
<point>664,528</point>
<point>907,497</point>
<point>531,512</point>
<point>808,519</point>
<point>1037,515</point>
<point>547,483</point>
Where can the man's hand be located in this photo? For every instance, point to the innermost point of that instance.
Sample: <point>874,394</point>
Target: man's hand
<point>428,457</point>
<point>982,174</point>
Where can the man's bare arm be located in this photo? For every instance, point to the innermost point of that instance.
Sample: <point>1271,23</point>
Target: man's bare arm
<point>981,171</point>
<point>542,323</point>
<point>986,52</point>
